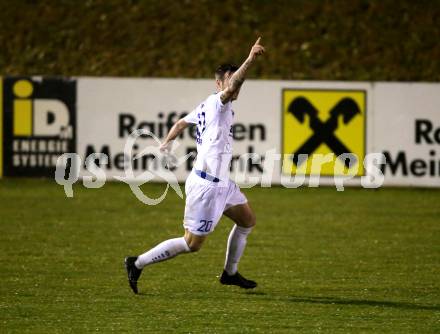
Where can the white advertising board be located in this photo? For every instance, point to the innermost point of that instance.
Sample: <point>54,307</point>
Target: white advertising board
<point>407,130</point>
<point>266,119</point>
<point>334,125</point>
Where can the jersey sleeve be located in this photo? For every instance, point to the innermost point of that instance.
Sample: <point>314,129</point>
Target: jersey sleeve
<point>191,117</point>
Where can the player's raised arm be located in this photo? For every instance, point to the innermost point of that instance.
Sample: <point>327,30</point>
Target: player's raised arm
<point>175,131</point>
<point>238,77</point>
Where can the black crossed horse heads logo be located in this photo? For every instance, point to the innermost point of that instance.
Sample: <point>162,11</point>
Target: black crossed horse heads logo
<point>324,132</point>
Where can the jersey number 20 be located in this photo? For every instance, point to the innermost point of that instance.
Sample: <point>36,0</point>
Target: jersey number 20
<point>206,225</point>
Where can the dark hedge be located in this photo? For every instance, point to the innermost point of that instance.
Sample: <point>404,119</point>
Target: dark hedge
<point>326,40</point>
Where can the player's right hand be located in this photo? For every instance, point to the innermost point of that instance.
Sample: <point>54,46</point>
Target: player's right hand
<point>165,147</point>
<point>257,49</point>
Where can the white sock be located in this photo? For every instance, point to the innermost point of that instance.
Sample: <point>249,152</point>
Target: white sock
<point>164,251</point>
<point>236,244</point>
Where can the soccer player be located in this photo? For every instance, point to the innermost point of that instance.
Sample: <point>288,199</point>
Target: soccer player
<point>209,191</point>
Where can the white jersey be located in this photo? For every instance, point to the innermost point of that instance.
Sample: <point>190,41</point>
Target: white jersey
<point>209,191</point>
<point>214,136</point>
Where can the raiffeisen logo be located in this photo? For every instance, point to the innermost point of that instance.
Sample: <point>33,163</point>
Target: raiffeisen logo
<point>329,123</point>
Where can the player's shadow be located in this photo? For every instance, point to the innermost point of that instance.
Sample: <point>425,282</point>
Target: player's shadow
<point>362,302</point>
<point>258,293</point>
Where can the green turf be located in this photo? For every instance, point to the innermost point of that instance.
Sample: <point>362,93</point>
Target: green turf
<point>351,262</point>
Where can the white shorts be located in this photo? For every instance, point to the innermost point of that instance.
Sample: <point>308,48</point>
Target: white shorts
<point>206,201</point>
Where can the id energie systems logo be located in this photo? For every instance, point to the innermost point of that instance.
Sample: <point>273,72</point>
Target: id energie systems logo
<point>39,124</point>
<point>324,124</point>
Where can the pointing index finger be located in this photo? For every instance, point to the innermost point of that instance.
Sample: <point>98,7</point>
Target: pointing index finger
<point>258,41</point>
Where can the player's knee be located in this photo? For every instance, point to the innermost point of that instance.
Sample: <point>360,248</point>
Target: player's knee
<point>194,246</point>
<point>252,220</point>
<point>194,241</point>
<point>247,220</point>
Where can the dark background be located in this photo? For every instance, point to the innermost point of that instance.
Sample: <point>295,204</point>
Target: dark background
<point>318,40</point>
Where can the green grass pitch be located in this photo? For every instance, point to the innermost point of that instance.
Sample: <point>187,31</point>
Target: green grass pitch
<point>359,261</point>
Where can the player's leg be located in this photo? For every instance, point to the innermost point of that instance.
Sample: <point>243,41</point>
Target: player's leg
<point>244,219</point>
<point>170,248</point>
<point>242,215</point>
<point>173,247</point>
<point>199,220</point>
<point>164,251</point>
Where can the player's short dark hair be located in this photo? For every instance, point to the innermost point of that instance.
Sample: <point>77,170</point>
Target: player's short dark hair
<point>223,69</point>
